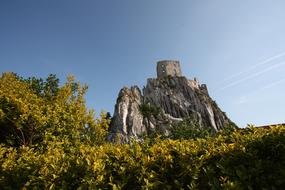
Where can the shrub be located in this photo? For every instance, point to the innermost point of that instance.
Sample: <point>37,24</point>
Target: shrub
<point>246,159</point>
<point>148,110</point>
<point>54,142</point>
<point>189,129</point>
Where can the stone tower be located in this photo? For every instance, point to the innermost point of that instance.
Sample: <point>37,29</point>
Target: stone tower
<point>168,68</point>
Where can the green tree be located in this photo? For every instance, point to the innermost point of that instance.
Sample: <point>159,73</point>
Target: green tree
<point>34,110</point>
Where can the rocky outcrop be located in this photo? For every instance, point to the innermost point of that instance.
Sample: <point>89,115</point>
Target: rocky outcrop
<point>127,120</point>
<point>182,98</point>
<point>164,101</point>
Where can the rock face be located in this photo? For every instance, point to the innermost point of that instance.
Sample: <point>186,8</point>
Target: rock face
<point>127,120</point>
<point>164,101</point>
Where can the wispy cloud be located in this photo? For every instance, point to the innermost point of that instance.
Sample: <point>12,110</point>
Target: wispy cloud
<point>254,75</point>
<point>242,100</point>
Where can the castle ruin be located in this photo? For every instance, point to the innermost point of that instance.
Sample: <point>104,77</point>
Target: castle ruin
<point>168,68</point>
<point>172,68</point>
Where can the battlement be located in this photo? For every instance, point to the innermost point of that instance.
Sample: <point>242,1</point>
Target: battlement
<point>168,68</point>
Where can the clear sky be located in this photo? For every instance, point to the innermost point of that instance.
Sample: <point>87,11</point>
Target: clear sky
<point>236,47</point>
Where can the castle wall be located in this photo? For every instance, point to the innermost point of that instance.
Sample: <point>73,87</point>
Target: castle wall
<point>193,83</point>
<point>168,68</point>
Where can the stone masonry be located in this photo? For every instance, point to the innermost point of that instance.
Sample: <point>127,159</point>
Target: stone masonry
<point>168,68</point>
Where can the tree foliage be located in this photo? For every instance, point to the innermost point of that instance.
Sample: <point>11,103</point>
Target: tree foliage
<point>34,111</point>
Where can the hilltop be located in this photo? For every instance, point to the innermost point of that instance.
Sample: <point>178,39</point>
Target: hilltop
<point>164,101</point>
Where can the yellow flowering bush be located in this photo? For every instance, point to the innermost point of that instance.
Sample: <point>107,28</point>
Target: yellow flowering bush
<point>33,114</point>
<point>67,149</point>
<point>251,159</point>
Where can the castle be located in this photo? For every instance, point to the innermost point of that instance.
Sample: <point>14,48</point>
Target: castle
<point>168,68</point>
<point>172,68</point>
<point>165,100</point>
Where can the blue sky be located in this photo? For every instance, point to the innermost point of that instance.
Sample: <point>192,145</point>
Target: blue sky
<point>236,47</point>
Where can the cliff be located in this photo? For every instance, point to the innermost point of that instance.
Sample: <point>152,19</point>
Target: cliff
<point>164,101</point>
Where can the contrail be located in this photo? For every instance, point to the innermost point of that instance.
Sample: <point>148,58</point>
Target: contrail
<point>253,75</point>
<point>254,66</point>
<point>273,84</point>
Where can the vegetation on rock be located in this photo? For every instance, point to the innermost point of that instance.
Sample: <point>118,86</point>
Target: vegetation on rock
<point>189,129</point>
<point>148,110</point>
